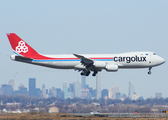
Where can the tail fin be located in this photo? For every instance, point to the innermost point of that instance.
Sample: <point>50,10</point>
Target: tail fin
<point>20,47</point>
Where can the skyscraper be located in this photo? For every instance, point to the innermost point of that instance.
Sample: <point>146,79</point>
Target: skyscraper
<point>70,90</point>
<point>98,85</point>
<point>44,91</point>
<point>7,89</point>
<point>65,89</point>
<point>77,88</point>
<point>32,86</point>
<point>118,95</point>
<point>83,84</point>
<point>53,91</point>
<point>110,93</point>
<point>21,90</point>
<point>11,82</point>
<point>58,92</point>
<point>104,93</point>
<point>115,90</point>
<point>131,89</point>
<point>64,85</point>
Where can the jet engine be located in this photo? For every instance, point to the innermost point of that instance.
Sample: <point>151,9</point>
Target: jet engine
<point>111,67</point>
<point>99,64</point>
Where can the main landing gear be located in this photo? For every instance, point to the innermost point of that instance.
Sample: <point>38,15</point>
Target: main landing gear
<point>87,72</point>
<point>94,74</point>
<point>150,71</point>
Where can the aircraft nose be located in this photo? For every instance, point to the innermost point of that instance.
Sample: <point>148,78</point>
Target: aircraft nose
<point>161,60</point>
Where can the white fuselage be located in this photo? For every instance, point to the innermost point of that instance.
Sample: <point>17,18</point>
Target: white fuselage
<point>124,60</point>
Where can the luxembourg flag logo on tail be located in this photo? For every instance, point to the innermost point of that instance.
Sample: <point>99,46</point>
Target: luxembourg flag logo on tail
<point>21,47</point>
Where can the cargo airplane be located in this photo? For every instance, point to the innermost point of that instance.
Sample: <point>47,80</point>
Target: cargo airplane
<point>85,62</point>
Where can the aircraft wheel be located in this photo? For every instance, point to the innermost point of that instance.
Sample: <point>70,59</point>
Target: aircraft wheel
<point>82,73</point>
<point>93,74</point>
<point>87,74</point>
<point>149,73</point>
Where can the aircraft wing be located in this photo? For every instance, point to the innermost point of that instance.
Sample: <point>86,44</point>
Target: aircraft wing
<point>85,61</point>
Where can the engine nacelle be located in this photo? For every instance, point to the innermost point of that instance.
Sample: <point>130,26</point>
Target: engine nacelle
<point>99,64</point>
<point>111,67</point>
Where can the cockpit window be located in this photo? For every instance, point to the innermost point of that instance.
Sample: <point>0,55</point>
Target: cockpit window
<point>154,53</point>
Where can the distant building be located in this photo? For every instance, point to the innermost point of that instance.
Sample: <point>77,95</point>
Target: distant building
<point>1,91</point>
<point>86,94</point>
<point>64,84</point>
<point>44,91</point>
<point>94,93</point>
<point>66,93</point>
<point>98,85</point>
<point>118,95</point>
<point>141,98</point>
<point>21,90</point>
<point>21,86</point>
<point>135,97</point>
<point>83,84</point>
<point>77,88</point>
<point>71,87</point>
<point>7,89</point>
<point>59,92</point>
<point>71,90</point>
<point>104,93</point>
<point>115,90</point>
<point>11,82</point>
<point>87,86</point>
<point>124,96</point>
<point>38,92</point>
<point>52,92</point>
<point>131,89</point>
<point>32,86</point>
<point>110,93</point>
<point>53,110</point>
<point>158,95</point>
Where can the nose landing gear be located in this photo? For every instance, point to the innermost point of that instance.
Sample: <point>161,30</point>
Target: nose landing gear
<point>87,72</point>
<point>150,71</point>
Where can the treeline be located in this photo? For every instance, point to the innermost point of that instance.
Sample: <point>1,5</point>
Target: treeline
<point>27,100</point>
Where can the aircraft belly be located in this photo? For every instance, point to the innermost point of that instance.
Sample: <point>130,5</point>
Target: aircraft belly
<point>59,65</point>
<point>134,65</point>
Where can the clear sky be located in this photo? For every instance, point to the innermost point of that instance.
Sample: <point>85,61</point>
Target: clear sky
<point>86,27</point>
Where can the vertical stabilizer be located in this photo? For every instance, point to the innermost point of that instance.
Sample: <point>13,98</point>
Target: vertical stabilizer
<point>20,47</point>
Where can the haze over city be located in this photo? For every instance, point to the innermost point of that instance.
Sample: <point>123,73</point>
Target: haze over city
<point>106,27</point>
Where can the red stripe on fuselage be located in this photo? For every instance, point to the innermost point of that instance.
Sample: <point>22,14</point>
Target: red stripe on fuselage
<point>41,57</point>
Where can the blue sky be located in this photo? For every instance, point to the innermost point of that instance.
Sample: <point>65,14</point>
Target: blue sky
<point>86,27</point>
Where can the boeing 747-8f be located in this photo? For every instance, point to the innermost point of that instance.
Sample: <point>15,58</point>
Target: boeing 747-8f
<point>85,62</point>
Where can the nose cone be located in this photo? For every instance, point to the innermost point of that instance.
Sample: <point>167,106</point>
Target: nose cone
<point>161,60</point>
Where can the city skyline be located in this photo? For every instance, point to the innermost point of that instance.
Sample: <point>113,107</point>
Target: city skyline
<point>73,91</point>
